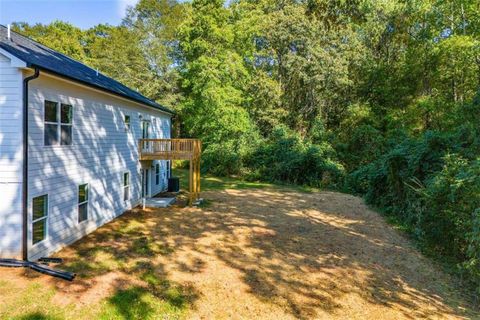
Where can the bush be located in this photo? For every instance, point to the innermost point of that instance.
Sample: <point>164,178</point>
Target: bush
<point>450,218</point>
<point>430,185</point>
<point>286,157</point>
<point>221,159</point>
<point>364,145</point>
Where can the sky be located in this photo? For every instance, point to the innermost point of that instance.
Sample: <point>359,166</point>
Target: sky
<point>81,13</point>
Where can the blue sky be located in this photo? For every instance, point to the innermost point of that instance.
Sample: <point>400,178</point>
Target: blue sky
<point>82,13</point>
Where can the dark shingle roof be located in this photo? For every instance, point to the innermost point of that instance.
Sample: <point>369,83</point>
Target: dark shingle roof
<point>44,58</point>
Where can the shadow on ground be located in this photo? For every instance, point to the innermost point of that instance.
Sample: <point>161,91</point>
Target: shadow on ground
<point>305,254</point>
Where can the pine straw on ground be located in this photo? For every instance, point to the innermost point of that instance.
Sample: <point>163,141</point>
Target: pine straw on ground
<point>252,254</point>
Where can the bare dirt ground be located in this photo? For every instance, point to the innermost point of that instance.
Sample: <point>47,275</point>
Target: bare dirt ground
<point>259,254</point>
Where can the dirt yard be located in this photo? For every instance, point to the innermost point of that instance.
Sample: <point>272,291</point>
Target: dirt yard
<point>247,254</point>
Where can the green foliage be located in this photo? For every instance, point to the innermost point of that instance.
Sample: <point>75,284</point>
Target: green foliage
<point>286,157</point>
<point>449,219</point>
<point>58,35</point>
<point>116,52</point>
<point>431,189</point>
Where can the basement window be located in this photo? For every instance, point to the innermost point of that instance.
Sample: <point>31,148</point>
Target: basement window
<point>58,123</point>
<point>82,203</point>
<point>169,169</point>
<point>39,218</point>
<point>157,174</point>
<point>126,186</point>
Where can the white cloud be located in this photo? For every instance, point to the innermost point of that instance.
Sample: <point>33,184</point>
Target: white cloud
<point>122,6</point>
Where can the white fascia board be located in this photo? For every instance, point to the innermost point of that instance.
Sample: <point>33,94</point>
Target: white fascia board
<point>14,61</point>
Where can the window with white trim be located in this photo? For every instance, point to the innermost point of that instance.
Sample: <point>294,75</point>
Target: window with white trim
<point>157,174</point>
<point>58,123</point>
<point>82,202</point>
<point>126,186</point>
<point>169,169</point>
<point>126,119</point>
<point>39,218</point>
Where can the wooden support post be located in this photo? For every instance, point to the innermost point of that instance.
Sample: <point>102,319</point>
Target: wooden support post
<point>197,178</point>
<point>190,185</point>
<point>198,172</point>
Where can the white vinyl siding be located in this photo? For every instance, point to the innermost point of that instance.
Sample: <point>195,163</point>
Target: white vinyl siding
<point>101,153</point>
<point>11,155</point>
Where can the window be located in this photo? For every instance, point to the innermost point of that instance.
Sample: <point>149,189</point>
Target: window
<point>58,123</point>
<point>157,174</point>
<point>51,123</point>
<point>39,218</point>
<point>169,169</point>
<point>82,202</point>
<point>66,125</point>
<point>127,122</point>
<point>126,186</point>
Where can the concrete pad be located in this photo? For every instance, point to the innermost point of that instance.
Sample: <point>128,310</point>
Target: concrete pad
<point>159,202</point>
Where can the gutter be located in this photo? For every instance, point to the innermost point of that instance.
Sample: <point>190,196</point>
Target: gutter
<point>25,164</point>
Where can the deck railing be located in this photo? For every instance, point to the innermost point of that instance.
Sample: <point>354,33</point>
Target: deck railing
<point>176,149</point>
<point>169,149</point>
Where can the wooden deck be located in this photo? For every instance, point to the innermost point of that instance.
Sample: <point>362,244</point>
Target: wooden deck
<point>175,149</point>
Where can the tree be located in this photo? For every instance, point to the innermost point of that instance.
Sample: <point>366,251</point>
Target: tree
<point>214,78</point>
<point>58,35</point>
<point>155,24</point>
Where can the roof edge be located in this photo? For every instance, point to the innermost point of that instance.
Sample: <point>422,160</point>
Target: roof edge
<point>14,60</point>
<point>86,84</point>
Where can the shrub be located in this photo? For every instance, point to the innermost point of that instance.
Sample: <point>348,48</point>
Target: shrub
<point>433,187</point>
<point>450,219</point>
<point>364,145</point>
<point>286,157</point>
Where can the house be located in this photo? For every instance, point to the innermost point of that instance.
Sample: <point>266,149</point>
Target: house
<point>69,148</point>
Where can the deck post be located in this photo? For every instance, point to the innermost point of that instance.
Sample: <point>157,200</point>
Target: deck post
<point>190,183</point>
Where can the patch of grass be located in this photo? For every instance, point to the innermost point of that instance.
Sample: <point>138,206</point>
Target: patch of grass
<point>142,246</point>
<point>30,303</point>
<point>99,260</point>
<point>142,304</point>
<point>37,316</point>
<point>151,278</point>
<point>213,183</point>
<point>210,183</point>
<point>133,303</point>
<point>132,227</point>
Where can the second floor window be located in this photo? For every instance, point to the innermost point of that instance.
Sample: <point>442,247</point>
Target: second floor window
<point>127,122</point>
<point>58,123</point>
